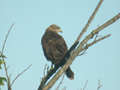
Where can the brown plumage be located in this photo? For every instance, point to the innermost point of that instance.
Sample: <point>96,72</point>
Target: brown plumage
<point>54,47</point>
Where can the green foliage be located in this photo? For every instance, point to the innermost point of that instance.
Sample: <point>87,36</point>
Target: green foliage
<point>2,56</point>
<point>1,62</point>
<point>2,80</point>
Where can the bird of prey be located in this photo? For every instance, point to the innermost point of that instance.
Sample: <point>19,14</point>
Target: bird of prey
<point>55,48</point>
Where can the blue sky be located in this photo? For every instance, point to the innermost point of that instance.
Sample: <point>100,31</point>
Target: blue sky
<point>32,17</point>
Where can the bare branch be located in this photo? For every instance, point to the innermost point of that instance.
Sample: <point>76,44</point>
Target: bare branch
<point>89,21</point>
<point>95,31</point>
<point>98,40</point>
<point>109,22</point>
<point>20,74</point>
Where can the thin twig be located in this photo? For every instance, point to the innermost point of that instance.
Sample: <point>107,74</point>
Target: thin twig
<point>60,82</point>
<point>44,71</point>
<point>5,66</point>
<point>85,85</point>
<point>94,42</point>
<point>6,37</point>
<point>99,85</point>
<point>89,21</point>
<point>20,74</point>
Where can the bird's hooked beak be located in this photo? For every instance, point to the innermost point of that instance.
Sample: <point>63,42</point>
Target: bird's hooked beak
<point>59,30</point>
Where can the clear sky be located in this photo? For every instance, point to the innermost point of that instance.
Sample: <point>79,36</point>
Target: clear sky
<point>32,17</point>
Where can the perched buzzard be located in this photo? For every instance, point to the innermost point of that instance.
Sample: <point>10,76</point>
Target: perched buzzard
<point>55,48</point>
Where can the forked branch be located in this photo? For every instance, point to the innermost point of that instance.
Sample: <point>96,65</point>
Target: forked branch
<point>80,48</point>
<point>20,74</point>
<point>84,45</point>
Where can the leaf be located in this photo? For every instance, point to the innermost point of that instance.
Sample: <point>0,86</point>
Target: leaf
<point>2,80</point>
<point>1,55</point>
<point>1,62</point>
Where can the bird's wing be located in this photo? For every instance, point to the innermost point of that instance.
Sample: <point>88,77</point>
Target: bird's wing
<point>57,49</point>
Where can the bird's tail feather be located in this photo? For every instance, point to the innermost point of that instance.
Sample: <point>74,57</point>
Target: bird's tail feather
<point>69,73</point>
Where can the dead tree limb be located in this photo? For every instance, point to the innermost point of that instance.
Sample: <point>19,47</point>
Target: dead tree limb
<point>80,48</point>
<point>89,21</point>
<point>84,45</point>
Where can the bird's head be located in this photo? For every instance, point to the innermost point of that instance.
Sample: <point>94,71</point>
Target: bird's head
<point>54,28</point>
